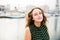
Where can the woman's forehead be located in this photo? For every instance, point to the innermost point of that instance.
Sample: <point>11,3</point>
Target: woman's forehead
<point>36,11</point>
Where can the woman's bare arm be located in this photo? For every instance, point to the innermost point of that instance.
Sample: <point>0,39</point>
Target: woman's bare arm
<point>27,34</point>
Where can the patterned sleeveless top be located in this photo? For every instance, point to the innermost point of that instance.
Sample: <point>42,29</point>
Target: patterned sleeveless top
<point>39,33</point>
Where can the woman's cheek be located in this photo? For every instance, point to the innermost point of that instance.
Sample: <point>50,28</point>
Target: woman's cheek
<point>40,20</point>
<point>34,18</point>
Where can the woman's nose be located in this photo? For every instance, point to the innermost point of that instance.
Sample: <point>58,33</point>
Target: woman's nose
<point>39,15</point>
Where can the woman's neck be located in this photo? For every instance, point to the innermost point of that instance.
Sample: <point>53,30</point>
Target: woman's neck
<point>37,24</point>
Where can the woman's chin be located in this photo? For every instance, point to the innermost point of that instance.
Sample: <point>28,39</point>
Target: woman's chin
<point>39,20</point>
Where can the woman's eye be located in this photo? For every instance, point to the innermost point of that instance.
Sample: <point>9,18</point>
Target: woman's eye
<point>40,13</point>
<point>35,14</point>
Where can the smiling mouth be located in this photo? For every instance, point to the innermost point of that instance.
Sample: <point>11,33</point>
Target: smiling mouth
<point>39,18</point>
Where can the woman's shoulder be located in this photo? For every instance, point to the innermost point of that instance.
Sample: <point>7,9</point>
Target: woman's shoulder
<point>27,29</point>
<point>27,34</point>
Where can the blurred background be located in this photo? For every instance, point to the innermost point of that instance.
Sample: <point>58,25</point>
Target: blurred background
<point>13,17</point>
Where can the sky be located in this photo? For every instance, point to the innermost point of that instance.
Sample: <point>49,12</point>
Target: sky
<point>23,3</point>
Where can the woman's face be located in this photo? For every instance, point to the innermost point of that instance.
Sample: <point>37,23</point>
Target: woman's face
<point>37,15</point>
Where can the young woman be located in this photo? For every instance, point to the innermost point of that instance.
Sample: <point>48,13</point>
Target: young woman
<point>36,28</point>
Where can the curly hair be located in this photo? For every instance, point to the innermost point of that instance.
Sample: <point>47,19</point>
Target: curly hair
<point>29,17</point>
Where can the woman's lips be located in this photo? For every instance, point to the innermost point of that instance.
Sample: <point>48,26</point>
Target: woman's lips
<point>39,18</point>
